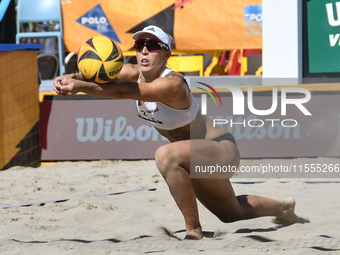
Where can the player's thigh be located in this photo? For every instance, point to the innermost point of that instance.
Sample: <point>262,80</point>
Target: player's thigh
<point>216,194</point>
<point>192,153</point>
<point>211,156</point>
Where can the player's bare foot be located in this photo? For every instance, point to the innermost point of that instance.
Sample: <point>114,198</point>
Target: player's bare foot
<point>287,215</point>
<point>194,234</point>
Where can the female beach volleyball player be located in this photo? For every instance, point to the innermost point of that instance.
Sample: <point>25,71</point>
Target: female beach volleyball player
<point>164,99</point>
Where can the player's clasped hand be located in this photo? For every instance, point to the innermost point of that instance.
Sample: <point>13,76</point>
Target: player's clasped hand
<point>65,85</point>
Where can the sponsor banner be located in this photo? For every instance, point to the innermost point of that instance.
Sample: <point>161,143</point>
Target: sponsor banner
<point>86,128</point>
<point>323,34</point>
<point>194,24</point>
<point>283,122</point>
<point>253,19</point>
<point>96,20</point>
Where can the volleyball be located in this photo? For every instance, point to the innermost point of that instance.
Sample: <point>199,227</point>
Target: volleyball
<point>100,59</point>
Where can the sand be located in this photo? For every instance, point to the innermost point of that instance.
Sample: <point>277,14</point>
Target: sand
<point>140,222</point>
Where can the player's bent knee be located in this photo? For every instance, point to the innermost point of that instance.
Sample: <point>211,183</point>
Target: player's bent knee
<point>164,159</point>
<point>229,218</point>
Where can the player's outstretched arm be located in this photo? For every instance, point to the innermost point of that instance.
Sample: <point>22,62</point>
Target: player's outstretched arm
<point>64,86</point>
<point>161,89</point>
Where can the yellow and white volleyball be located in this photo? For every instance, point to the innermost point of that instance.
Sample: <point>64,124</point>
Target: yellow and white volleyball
<point>100,59</point>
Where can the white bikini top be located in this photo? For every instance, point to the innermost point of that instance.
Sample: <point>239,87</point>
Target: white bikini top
<point>165,117</point>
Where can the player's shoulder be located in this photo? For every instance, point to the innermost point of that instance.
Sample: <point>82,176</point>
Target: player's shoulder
<point>173,75</point>
<point>175,81</point>
<point>177,78</point>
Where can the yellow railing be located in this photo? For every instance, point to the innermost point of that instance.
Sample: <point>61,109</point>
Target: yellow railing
<point>215,54</point>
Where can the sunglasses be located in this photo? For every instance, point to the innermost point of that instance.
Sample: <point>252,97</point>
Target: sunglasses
<point>150,44</point>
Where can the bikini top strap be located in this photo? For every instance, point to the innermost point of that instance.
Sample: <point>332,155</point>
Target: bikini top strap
<point>140,76</point>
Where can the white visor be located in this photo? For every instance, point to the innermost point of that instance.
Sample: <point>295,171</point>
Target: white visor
<point>156,31</point>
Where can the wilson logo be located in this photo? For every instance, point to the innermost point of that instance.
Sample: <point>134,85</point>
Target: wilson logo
<point>94,129</point>
<point>115,71</point>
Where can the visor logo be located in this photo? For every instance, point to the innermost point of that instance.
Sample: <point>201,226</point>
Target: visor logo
<point>152,29</point>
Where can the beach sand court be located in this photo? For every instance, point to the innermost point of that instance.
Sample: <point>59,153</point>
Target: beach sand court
<point>89,219</point>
